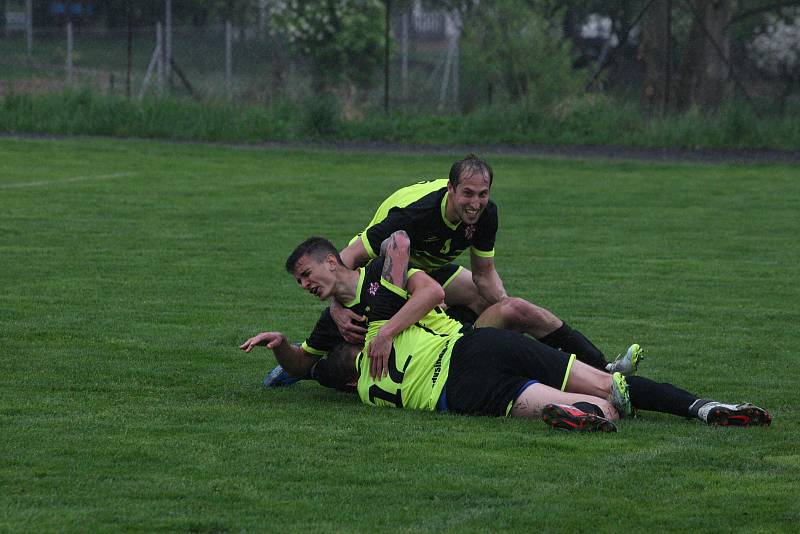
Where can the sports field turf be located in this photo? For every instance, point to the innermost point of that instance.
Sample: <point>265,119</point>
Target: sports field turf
<point>130,271</point>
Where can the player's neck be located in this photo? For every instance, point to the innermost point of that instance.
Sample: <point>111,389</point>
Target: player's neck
<point>450,210</point>
<point>346,285</point>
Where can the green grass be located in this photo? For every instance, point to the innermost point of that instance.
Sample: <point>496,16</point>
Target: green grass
<point>130,272</point>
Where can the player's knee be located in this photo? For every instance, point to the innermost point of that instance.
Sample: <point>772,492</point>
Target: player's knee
<point>529,316</point>
<point>519,312</point>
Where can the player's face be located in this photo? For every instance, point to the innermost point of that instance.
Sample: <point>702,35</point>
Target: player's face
<point>315,276</point>
<point>469,198</point>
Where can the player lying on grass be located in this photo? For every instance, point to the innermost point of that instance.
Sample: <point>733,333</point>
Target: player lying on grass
<point>438,364</point>
<point>443,218</point>
<point>315,265</point>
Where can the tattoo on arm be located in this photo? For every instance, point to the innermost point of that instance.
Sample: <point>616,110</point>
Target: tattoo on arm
<point>392,247</point>
<point>387,269</point>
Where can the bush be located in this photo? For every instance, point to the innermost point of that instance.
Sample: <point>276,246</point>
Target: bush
<point>584,119</point>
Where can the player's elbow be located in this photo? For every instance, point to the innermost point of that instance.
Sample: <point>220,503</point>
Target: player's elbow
<point>401,241</point>
<point>436,293</point>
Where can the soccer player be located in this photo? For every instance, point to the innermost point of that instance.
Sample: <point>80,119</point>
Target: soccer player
<point>437,364</point>
<point>443,218</point>
<point>317,267</point>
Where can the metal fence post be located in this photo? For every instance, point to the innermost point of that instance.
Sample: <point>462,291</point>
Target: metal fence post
<point>404,54</point>
<point>160,60</point>
<point>29,26</point>
<point>228,57</point>
<point>168,40</point>
<point>69,52</point>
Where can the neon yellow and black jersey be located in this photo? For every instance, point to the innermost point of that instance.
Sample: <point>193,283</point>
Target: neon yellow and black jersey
<point>419,209</point>
<point>326,335</point>
<point>419,361</point>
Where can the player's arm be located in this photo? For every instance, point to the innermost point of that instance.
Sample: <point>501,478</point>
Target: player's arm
<point>296,361</point>
<point>485,277</point>
<point>425,292</point>
<point>353,255</point>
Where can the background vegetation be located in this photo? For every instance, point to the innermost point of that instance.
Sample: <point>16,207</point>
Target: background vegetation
<point>689,73</point>
<point>591,120</point>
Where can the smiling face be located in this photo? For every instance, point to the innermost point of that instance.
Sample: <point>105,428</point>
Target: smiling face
<point>316,276</point>
<point>468,199</point>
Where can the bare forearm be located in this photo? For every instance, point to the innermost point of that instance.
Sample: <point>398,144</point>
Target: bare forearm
<point>354,255</point>
<point>293,359</point>
<point>490,286</point>
<point>417,306</point>
<point>425,293</point>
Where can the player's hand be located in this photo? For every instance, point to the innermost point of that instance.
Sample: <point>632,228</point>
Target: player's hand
<point>346,323</point>
<point>265,339</point>
<point>379,350</point>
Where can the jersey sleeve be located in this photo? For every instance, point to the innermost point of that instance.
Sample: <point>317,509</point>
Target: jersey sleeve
<point>486,233</point>
<point>397,219</point>
<point>324,337</point>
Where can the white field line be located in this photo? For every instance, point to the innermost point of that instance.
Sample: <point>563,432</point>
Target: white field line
<point>42,183</point>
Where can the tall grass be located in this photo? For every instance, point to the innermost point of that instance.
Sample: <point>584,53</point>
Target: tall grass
<point>586,120</point>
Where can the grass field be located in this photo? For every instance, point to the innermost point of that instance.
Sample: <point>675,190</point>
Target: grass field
<point>130,271</point>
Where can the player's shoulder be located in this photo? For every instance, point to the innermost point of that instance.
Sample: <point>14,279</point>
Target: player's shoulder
<point>374,268</point>
<point>489,215</point>
<point>421,195</point>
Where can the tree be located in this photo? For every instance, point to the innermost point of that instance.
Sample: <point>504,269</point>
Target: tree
<point>703,75</point>
<point>341,39</point>
<point>521,53</point>
<point>656,53</point>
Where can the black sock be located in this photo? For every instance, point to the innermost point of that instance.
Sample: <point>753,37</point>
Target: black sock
<point>571,341</point>
<point>588,407</point>
<point>659,397</point>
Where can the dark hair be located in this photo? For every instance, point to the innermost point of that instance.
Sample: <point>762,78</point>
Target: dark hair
<point>338,368</point>
<point>316,247</point>
<point>470,166</point>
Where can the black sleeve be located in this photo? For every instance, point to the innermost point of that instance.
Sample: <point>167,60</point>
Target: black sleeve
<point>397,219</point>
<point>486,229</point>
<point>324,337</point>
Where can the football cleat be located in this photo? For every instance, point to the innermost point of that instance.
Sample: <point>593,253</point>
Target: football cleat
<point>718,414</point>
<point>620,396</point>
<point>278,378</point>
<point>627,363</point>
<point>570,418</point>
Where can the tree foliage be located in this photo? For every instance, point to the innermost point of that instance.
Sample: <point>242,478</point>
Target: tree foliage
<point>341,39</point>
<point>521,53</point>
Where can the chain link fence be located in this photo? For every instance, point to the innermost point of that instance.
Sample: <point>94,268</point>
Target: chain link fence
<point>221,61</point>
<point>430,67</point>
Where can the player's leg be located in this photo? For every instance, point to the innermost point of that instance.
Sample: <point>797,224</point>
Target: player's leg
<point>640,393</point>
<point>531,402</point>
<point>460,290</point>
<point>522,316</point>
<point>499,372</point>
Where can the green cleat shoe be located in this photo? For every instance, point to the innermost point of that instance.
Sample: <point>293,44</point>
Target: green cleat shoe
<point>628,363</point>
<point>620,397</point>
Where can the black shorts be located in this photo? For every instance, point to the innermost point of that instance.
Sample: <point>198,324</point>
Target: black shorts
<point>444,274</point>
<point>489,368</point>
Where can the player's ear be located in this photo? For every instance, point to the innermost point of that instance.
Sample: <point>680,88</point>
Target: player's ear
<point>330,262</point>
